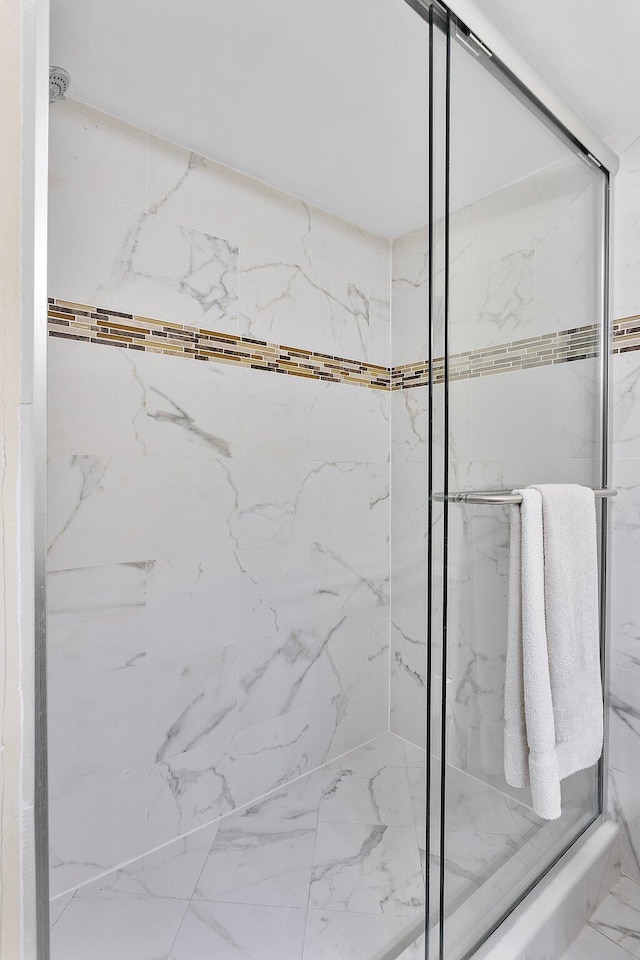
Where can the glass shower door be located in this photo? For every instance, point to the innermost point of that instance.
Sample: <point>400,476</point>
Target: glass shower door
<point>517,398</point>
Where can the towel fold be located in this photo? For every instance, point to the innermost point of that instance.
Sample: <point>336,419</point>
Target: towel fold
<point>553,690</point>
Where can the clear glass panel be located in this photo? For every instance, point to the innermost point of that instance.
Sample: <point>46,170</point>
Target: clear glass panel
<point>523,406</point>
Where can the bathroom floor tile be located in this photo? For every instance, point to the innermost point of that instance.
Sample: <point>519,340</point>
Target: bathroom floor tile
<point>259,860</point>
<point>234,931</point>
<point>618,916</point>
<point>117,927</point>
<point>367,868</point>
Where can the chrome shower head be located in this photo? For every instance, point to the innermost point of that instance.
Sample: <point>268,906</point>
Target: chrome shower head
<point>59,80</point>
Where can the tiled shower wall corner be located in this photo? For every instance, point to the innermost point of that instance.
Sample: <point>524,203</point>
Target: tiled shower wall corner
<point>219,537</point>
<point>520,268</point>
<point>624,733</point>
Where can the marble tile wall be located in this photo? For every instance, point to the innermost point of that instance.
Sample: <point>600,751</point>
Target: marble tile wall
<point>624,782</point>
<point>520,268</point>
<point>218,543</point>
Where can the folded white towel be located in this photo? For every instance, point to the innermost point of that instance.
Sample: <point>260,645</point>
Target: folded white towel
<point>553,691</point>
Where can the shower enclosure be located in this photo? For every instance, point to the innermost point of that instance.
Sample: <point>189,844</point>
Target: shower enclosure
<point>288,401</point>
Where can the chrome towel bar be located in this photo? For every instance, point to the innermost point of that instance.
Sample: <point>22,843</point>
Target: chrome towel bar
<point>497,496</point>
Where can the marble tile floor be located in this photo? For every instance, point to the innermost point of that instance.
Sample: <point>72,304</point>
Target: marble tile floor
<point>330,865</point>
<point>613,932</point>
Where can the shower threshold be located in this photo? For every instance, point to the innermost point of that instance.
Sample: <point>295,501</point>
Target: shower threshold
<point>330,865</point>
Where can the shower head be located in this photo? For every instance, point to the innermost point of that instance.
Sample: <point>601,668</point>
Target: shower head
<point>59,80</point>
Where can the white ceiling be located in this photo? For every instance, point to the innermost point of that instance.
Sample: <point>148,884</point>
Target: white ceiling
<point>587,49</point>
<point>325,99</point>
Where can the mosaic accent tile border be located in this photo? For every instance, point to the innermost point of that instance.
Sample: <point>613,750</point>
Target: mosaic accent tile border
<point>579,343</point>
<point>626,334</point>
<point>78,321</point>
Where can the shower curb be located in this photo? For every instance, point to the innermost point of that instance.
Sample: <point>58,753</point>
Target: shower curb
<point>549,919</point>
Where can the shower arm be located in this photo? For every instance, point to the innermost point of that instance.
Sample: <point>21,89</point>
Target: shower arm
<point>497,496</point>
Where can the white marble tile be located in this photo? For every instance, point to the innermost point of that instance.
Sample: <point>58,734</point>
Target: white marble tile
<point>351,936</point>
<point>207,196</point>
<point>239,931</point>
<point>201,603</point>
<point>288,671</point>
<point>367,869</point>
<point>283,302</point>
<point>409,426</point>
<point>493,303</point>
<point>297,801</point>
<point>350,424</point>
<point>409,482</point>
<point>97,153</point>
<point>364,790</point>
<point>95,830</point>
<point>627,145</point>
<point>625,511</point>
<point>350,574</point>
<point>562,926</point>
<point>567,280</point>
<point>139,716</point>
<point>172,871</point>
<point>108,255</point>
<point>344,250</point>
<point>339,724</point>
<point>624,729</point>
<point>95,621</point>
<point>84,380</point>
<point>205,783</point>
<point>626,287</point>
<point>380,330</point>
<point>191,790</point>
<point>532,414</point>
<point>589,945</point>
<point>625,617</point>
<point>117,927</point>
<point>408,569</point>
<point>58,905</point>
<point>107,510</point>
<point>408,674</point>
<point>215,410</point>
<point>624,808</point>
<point>564,196</point>
<point>379,499</point>
<point>618,916</point>
<point>410,296</point>
<point>259,860</point>
<point>626,405</point>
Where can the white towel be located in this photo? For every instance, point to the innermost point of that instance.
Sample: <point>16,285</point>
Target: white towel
<point>553,692</point>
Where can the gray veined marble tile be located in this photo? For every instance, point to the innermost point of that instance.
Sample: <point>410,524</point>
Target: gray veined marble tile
<point>297,801</point>
<point>96,620</point>
<point>624,808</point>
<point>82,382</point>
<point>284,302</point>
<point>591,945</point>
<point>145,715</point>
<point>351,936</point>
<point>360,790</point>
<point>259,860</point>
<point>618,916</point>
<point>364,868</point>
<point>238,931</point>
<point>172,871</point>
<point>58,905</point>
<point>117,927</point>
<point>200,785</point>
<point>196,191</point>
<point>112,256</point>
<point>343,249</point>
<point>95,830</point>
